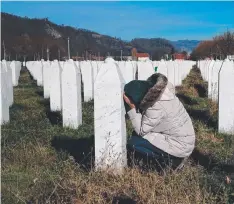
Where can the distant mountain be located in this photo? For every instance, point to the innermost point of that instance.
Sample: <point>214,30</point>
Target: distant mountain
<point>31,37</point>
<point>185,45</point>
<point>156,47</point>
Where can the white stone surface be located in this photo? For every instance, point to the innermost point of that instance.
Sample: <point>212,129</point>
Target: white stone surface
<point>56,87</point>
<point>71,95</point>
<point>145,70</point>
<point>226,98</point>
<point>214,80</point>
<point>46,79</point>
<point>87,78</point>
<point>177,79</point>
<point>162,68</point>
<point>109,118</point>
<point>210,73</point>
<point>15,67</point>
<point>95,68</point>
<point>38,66</point>
<point>135,68</point>
<point>171,72</point>
<point>10,94</point>
<point>127,71</point>
<point>4,104</point>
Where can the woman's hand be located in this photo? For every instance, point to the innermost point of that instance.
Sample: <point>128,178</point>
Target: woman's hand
<point>128,101</point>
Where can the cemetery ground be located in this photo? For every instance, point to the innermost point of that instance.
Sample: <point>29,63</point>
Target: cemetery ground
<point>42,162</point>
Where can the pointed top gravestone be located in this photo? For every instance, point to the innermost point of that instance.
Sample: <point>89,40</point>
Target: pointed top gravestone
<point>162,68</point>
<point>214,79</point>
<point>127,71</point>
<point>171,72</point>
<point>109,118</point>
<point>145,69</point>
<point>87,78</point>
<point>46,79</point>
<point>56,87</point>
<point>4,103</point>
<point>9,84</point>
<point>71,95</point>
<point>226,98</point>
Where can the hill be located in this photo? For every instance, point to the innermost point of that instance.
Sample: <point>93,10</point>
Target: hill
<point>185,45</point>
<point>31,37</point>
<point>24,36</point>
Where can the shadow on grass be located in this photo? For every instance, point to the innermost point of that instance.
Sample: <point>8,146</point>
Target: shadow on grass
<point>55,118</point>
<point>14,109</point>
<point>186,99</point>
<point>201,89</point>
<point>123,199</point>
<point>209,163</point>
<point>203,116</point>
<point>80,148</point>
<point>40,93</point>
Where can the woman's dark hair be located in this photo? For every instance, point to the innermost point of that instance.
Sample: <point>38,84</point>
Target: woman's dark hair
<point>159,82</point>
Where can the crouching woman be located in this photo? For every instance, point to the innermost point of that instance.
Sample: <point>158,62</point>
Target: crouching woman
<point>163,129</point>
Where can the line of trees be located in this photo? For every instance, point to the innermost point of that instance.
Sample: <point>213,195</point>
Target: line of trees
<point>218,48</point>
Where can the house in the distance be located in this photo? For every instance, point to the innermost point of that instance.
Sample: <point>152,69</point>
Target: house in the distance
<point>179,56</point>
<point>139,56</point>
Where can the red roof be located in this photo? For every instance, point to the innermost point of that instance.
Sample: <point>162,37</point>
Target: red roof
<point>142,55</point>
<point>179,56</point>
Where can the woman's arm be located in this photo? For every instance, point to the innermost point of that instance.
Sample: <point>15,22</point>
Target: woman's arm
<point>143,124</point>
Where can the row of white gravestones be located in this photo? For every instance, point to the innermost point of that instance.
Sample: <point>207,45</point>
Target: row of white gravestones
<point>62,84</point>
<point>10,72</point>
<point>109,112</point>
<point>210,72</point>
<point>220,77</point>
<point>175,71</point>
<point>36,70</point>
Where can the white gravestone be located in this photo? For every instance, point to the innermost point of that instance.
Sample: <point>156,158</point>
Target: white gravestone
<point>176,74</point>
<point>18,69</point>
<point>109,118</point>
<point>214,80</point>
<point>145,69</point>
<point>13,66</point>
<point>162,68</point>
<point>71,95</point>
<point>87,78</point>
<point>38,66</point>
<point>127,71</point>
<point>10,94</point>
<point>134,65</point>
<point>56,87</point>
<point>210,71</point>
<point>171,72</point>
<point>95,68</point>
<point>4,106</point>
<point>226,98</point>
<point>155,64</point>
<point>46,79</point>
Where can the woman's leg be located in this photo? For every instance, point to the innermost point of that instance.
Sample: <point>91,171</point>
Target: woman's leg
<point>159,157</point>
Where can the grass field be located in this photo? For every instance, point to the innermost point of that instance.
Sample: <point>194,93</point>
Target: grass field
<point>45,163</point>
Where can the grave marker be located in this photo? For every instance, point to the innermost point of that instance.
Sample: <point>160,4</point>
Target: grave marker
<point>56,87</point>
<point>87,78</point>
<point>71,95</point>
<point>4,105</point>
<point>109,117</point>
<point>46,79</point>
<point>226,98</point>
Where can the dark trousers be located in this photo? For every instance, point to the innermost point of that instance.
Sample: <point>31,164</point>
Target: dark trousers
<point>140,149</point>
